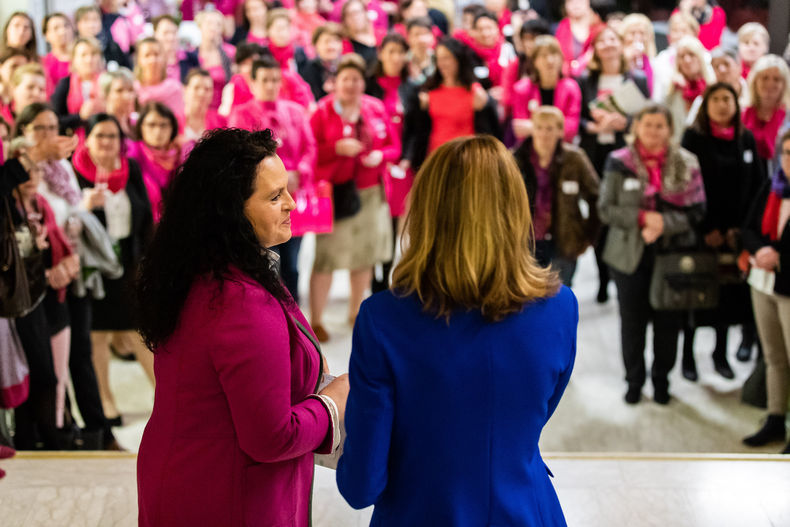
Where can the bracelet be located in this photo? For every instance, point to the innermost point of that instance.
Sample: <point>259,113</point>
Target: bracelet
<point>334,417</point>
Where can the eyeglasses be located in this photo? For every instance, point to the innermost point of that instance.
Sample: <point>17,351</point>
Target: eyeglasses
<point>110,137</point>
<point>39,128</point>
<point>162,125</point>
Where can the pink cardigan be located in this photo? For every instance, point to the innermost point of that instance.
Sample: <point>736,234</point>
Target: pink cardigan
<point>291,128</point>
<point>567,97</point>
<point>232,435</point>
<point>378,134</point>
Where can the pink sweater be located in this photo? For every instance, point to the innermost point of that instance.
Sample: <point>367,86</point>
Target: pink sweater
<point>232,434</point>
<point>567,97</point>
<point>290,126</point>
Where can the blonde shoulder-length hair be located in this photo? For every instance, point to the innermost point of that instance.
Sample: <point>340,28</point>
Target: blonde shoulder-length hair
<point>760,66</point>
<point>470,235</point>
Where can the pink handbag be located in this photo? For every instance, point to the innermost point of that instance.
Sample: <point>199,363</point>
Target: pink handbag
<point>313,212</point>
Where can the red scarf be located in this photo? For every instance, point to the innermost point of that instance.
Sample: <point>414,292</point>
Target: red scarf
<point>770,226</point>
<point>75,99</point>
<point>691,90</point>
<point>283,55</point>
<point>654,162</point>
<point>83,163</point>
<point>725,133</point>
<point>765,132</point>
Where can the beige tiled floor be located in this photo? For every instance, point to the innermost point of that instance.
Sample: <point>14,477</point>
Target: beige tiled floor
<point>594,490</point>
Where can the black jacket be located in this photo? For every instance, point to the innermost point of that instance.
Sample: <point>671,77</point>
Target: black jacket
<point>733,174</point>
<point>754,239</point>
<point>69,122</point>
<point>315,74</point>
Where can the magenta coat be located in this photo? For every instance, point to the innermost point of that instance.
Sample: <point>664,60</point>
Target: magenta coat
<point>567,97</point>
<point>232,435</point>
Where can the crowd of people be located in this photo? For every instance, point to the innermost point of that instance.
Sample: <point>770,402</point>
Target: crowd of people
<point>634,152</point>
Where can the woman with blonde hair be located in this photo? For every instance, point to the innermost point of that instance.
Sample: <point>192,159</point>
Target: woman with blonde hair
<point>690,78</point>
<point>153,84</point>
<point>78,96</point>
<point>469,308</point>
<point>546,86</point>
<point>769,93</point>
<point>639,44</point>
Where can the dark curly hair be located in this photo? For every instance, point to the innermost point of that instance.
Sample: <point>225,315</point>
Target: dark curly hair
<point>203,229</point>
<point>463,55</point>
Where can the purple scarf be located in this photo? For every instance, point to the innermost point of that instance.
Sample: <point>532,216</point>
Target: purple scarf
<point>58,181</point>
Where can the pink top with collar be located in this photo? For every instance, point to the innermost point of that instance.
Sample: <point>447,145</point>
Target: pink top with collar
<point>291,129</point>
<point>375,131</point>
<point>567,97</point>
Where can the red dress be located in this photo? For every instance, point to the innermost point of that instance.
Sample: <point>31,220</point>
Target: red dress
<point>452,114</point>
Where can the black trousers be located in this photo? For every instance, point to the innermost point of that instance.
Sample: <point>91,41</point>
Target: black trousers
<point>289,265</point>
<point>35,418</point>
<point>83,376</point>
<point>633,293</point>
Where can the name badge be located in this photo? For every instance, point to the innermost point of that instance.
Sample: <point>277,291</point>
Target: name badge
<point>570,187</point>
<point>631,184</point>
<point>748,156</point>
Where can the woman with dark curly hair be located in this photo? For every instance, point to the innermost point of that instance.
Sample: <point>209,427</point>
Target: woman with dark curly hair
<point>236,417</point>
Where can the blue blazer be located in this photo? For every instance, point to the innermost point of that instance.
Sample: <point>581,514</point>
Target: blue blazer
<point>443,421</point>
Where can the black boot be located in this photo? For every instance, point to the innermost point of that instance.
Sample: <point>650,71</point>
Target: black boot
<point>634,394</point>
<point>661,394</point>
<point>749,332</point>
<point>721,364</point>
<point>787,449</point>
<point>688,363</point>
<point>773,431</point>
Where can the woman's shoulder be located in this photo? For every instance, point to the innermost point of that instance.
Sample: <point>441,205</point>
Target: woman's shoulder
<point>233,293</point>
<point>561,306</point>
<point>522,86</point>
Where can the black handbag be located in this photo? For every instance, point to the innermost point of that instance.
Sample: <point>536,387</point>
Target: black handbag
<point>685,280</point>
<point>23,282</point>
<point>14,290</point>
<point>345,199</point>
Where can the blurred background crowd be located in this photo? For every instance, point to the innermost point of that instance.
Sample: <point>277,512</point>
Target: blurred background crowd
<point>635,135</point>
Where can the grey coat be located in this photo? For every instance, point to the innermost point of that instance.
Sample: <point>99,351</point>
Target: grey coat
<point>681,204</point>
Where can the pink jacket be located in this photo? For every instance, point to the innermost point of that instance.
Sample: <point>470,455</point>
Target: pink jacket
<point>567,97</point>
<point>375,132</point>
<point>232,435</point>
<point>290,126</point>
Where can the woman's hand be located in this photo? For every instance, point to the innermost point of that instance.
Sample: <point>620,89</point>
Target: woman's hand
<point>425,100</point>
<point>348,147</point>
<point>373,159</point>
<point>338,392</point>
<point>480,97</point>
<point>766,258</point>
<point>90,107</point>
<point>522,128</point>
<point>714,239</point>
<point>92,198</point>
<point>653,227</point>
<point>58,277</point>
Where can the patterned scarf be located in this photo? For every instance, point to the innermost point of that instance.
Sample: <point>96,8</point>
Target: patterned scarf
<point>59,182</point>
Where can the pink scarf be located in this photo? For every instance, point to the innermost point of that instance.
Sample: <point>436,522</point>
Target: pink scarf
<point>725,133</point>
<point>75,98</point>
<point>116,180</point>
